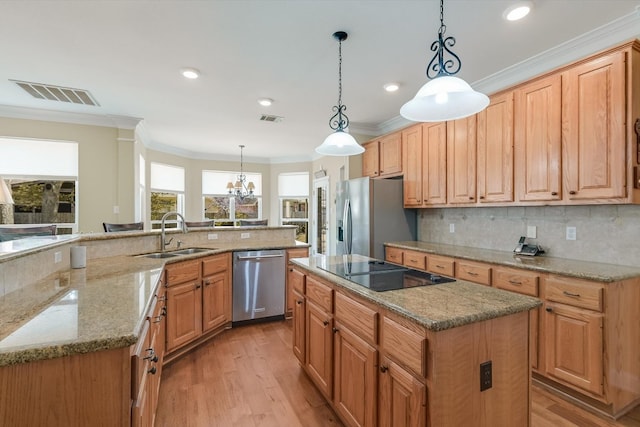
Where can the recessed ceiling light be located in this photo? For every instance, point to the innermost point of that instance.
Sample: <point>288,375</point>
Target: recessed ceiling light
<point>265,102</point>
<point>391,87</point>
<point>517,10</point>
<point>190,73</point>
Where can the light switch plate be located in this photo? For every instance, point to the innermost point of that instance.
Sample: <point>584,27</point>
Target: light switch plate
<point>452,228</point>
<point>532,231</point>
<point>212,236</point>
<point>571,233</point>
<point>244,235</point>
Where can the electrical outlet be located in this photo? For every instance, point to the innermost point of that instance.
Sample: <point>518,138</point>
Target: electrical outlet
<point>452,228</point>
<point>212,236</point>
<point>116,209</point>
<point>57,257</point>
<point>244,235</point>
<point>571,233</point>
<point>531,231</point>
<point>485,376</point>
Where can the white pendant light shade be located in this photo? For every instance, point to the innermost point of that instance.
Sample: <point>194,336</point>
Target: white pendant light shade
<point>444,98</point>
<point>339,143</point>
<point>5,193</point>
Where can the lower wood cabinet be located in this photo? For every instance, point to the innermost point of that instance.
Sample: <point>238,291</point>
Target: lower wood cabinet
<point>293,278</point>
<point>319,347</point>
<point>299,327</point>
<point>402,400</point>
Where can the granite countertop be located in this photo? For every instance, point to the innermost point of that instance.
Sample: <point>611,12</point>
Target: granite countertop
<point>436,307</point>
<point>567,267</point>
<point>100,307</point>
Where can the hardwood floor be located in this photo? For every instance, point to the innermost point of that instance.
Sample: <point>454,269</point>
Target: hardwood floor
<point>248,376</point>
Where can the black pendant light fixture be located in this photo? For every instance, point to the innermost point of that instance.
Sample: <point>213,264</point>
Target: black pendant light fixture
<point>444,97</point>
<point>339,143</point>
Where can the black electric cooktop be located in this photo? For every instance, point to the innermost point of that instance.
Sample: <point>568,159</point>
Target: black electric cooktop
<point>381,276</point>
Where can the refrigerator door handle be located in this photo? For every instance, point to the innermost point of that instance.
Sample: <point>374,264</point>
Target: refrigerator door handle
<point>346,220</point>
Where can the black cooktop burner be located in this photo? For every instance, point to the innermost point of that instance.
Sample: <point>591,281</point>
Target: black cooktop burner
<point>381,276</point>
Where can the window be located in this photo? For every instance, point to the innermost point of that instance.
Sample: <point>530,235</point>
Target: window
<point>43,176</point>
<point>167,193</point>
<point>293,190</point>
<point>222,208</point>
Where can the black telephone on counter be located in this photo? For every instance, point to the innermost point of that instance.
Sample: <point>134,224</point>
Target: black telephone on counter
<point>528,250</point>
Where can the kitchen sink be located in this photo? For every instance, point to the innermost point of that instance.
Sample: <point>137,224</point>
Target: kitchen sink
<point>174,253</point>
<point>159,255</point>
<point>189,251</point>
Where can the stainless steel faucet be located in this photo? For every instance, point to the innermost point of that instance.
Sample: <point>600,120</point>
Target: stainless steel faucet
<point>163,242</point>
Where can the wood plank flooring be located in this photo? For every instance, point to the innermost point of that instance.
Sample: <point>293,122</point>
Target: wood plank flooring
<point>248,376</point>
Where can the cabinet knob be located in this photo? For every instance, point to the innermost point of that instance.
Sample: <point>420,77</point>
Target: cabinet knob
<point>298,302</point>
<point>481,197</point>
<point>335,330</point>
<point>572,192</point>
<point>549,309</point>
<point>325,323</point>
<point>207,282</point>
<point>153,370</point>
<point>198,286</point>
<point>384,369</point>
<point>554,193</point>
<point>471,197</point>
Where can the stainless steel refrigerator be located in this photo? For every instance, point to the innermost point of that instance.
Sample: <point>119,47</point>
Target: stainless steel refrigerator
<point>370,212</point>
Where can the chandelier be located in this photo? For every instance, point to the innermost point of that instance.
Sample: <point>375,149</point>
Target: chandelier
<point>339,143</point>
<point>444,97</point>
<point>241,190</point>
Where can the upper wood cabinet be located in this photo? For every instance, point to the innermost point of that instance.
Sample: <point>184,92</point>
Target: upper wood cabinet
<point>461,161</point>
<point>412,165</point>
<point>383,157</point>
<point>434,164</point>
<point>538,140</point>
<point>593,128</point>
<point>495,150</point>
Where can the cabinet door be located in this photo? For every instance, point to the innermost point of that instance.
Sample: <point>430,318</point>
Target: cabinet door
<point>495,150</point>
<point>319,348</point>
<point>370,159</point>
<point>434,164</point>
<point>574,346</point>
<point>390,150</point>
<point>538,140</point>
<point>216,301</point>
<point>593,120</point>
<point>461,160</point>
<point>402,397</point>
<point>299,321</point>
<point>184,314</point>
<point>294,280</point>
<point>355,372</point>
<point>412,166</point>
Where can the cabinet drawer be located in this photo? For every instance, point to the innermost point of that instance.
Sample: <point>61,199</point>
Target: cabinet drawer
<point>357,317</point>
<point>296,280</point>
<point>393,255</point>
<point>215,264</point>
<point>405,346</point>
<point>474,272</point>
<point>297,253</point>
<point>320,293</point>
<point>440,265</point>
<point>181,272</point>
<point>518,281</point>
<point>578,293</point>
<point>414,259</point>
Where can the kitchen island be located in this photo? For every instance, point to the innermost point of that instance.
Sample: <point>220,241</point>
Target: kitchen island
<point>443,355</point>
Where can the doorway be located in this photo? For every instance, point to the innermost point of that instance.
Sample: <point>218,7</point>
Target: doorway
<point>320,217</point>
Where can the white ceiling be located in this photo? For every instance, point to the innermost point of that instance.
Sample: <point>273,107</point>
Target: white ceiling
<point>128,54</point>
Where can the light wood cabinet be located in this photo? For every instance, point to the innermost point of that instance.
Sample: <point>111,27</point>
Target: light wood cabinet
<point>538,140</point>
<point>461,161</point>
<point>439,264</point>
<point>593,129</point>
<point>383,157</point>
<point>434,164</point>
<point>299,327</point>
<point>184,313</point>
<point>495,135</point>
<point>412,165</point>
<point>292,277</point>
<point>319,347</point>
<point>476,272</point>
<point>402,397</point>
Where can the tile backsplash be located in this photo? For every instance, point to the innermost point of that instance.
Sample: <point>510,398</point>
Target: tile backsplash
<point>604,233</point>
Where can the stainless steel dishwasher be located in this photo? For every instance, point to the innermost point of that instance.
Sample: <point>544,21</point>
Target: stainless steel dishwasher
<point>258,285</point>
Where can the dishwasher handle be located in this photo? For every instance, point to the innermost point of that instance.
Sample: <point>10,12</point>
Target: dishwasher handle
<point>258,257</point>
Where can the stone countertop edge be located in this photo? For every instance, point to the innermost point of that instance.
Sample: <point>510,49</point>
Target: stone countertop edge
<point>107,340</point>
<point>437,307</point>
<point>587,270</point>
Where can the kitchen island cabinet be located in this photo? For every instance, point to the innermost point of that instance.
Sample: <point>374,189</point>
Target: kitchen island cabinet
<point>432,341</point>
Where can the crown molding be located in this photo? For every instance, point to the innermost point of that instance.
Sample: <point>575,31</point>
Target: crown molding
<point>106,120</point>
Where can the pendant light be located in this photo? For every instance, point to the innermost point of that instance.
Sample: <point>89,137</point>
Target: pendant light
<point>241,190</point>
<point>444,97</point>
<point>339,143</point>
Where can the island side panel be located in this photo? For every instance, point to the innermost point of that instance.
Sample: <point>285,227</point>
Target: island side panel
<point>453,376</point>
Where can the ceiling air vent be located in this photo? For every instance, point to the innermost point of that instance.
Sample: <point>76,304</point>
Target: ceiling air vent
<point>57,93</point>
<point>268,118</point>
